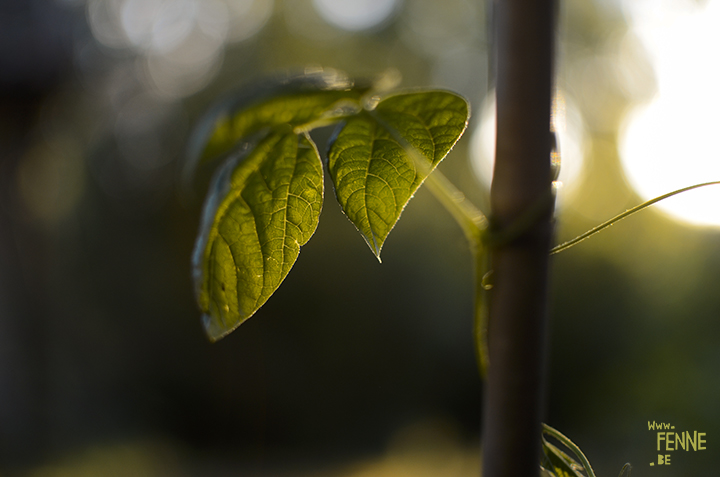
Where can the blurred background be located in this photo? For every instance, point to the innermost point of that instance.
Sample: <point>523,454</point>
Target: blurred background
<point>352,368</point>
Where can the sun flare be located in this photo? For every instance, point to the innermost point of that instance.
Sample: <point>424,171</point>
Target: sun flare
<point>672,142</point>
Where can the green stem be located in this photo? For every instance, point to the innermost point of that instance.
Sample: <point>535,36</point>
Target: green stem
<point>627,213</point>
<point>474,225</point>
<point>480,324</point>
<point>470,218</point>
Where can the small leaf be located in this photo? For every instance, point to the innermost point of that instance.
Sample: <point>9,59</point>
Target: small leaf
<point>562,464</point>
<point>380,158</point>
<point>546,472</point>
<point>261,209</point>
<point>316,98</point>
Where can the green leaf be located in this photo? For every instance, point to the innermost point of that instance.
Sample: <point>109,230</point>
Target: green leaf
<point>261,209</point>
<point>546,472</point>
<point>562,464</point>
<point>304,101</point>
<point>380,158</point>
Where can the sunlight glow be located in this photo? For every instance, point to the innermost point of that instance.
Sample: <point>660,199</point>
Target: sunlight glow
<point>672,142</point>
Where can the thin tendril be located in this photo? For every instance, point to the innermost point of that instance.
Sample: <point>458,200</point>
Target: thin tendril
<point>627,213</point>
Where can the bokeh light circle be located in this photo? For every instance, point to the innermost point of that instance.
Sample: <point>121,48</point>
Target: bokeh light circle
<point>355,15</point>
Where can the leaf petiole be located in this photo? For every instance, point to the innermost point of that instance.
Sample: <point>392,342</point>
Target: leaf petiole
<point>472,221</point>
<point>474,224</point>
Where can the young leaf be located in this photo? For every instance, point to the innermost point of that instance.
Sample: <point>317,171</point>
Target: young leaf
<point>379,158</point>
<point>546,473</point>
<point>258,214</point>
<point>564,464</point>
<point>325,96</point>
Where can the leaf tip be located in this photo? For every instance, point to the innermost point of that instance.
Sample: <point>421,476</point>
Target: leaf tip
<point>215,331</point>
<point>374,246</point>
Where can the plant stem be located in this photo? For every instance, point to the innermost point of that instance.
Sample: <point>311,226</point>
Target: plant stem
<point>480,323</point>
<point>474,225</point>
<point>517,304</point>
<point>470,218</point>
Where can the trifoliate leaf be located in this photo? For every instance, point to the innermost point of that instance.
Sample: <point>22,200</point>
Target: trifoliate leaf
<point>259,212</point>
<point>379,158</point>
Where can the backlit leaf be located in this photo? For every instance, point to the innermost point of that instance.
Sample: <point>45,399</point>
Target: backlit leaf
<point>309,99</point>
<point>379,158</point>
<point>260,210</point>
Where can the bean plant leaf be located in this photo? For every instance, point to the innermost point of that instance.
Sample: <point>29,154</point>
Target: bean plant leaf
<point>546,473</point>
<point>562,464</point>
<point>259,212</point>
<point>379,158</point>
<point>308,99</point>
